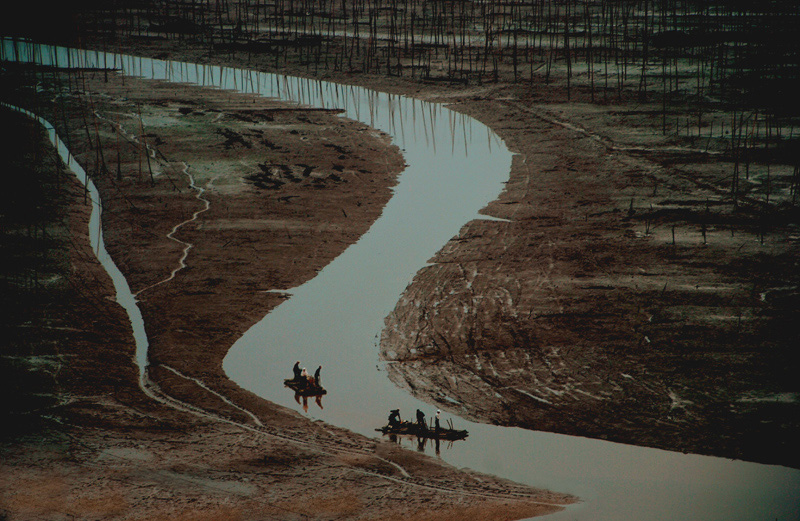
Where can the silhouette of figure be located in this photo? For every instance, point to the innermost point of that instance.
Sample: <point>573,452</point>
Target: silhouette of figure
<point>420,418</point>
<point>316,376</point>
<point>296,370</point>
<point>394,418</point>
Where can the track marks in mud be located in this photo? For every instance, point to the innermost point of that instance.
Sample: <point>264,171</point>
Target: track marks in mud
<point>222,397</point>
<point>606,142</point>
<point>187,246</point>
<point>154,153</point>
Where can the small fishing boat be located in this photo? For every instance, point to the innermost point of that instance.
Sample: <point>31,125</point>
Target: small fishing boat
<point>303,387</point>
<point>408,428</point>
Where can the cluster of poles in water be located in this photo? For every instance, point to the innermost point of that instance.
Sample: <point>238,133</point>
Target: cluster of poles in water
<point>719,75</point>
<point>613,44</point>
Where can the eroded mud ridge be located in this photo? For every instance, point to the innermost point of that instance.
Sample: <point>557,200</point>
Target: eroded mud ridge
<point>625,299</point>
<point>205,229</point>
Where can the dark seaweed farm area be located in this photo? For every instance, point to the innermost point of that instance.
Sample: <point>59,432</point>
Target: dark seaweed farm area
<point>720,76</point>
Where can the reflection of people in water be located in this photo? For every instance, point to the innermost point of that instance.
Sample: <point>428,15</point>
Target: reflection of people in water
<point>303,400</point>
<point>394,418</point>
<point>305,385</point>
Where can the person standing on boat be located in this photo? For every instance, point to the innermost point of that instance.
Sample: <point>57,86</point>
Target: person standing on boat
<point>296,370</point>
<point>436,421</point>
<point>421,419</point>
<point>316,376</point>
<point>394,418</point>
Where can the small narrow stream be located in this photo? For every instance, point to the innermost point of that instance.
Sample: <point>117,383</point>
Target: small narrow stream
<point>124,297</point>
<point>456,165</point>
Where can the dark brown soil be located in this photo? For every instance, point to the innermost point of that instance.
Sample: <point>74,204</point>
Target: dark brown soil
<point>622,301</point>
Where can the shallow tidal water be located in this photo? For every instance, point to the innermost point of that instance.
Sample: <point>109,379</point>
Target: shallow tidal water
<point>456,165</point>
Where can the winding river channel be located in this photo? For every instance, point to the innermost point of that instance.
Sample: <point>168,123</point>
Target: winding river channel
<point>456,165</point>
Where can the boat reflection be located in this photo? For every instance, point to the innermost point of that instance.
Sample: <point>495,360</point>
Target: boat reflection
<point>302,399</point>
<point>422,443</point>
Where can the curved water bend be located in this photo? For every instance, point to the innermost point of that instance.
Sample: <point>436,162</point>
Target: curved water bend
<point>335,319</point>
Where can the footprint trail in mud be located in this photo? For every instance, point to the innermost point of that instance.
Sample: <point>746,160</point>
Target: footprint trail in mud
<point>187,246</point>
<point>154,153</point>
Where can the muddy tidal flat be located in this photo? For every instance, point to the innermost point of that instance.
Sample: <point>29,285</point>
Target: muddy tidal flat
<point>287,187</point>
<point>632,284</point>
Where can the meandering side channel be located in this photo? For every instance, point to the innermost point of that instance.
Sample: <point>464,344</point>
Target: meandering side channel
<point>334,320</point>
<point>124,296</point>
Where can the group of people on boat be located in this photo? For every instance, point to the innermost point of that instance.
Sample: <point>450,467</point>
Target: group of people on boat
<point>304,379</point>
<point>422,429</point>
<point>394,419</point>
<point>304,385</point>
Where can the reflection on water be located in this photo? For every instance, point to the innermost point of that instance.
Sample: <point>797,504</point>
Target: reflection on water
<point>302,400</point>
<point>396,115</point>
<point>343,308</point>
<point>422,444</point>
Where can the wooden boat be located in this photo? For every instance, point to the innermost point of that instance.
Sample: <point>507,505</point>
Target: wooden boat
<point>423,431</point>
<point>302,387</point>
